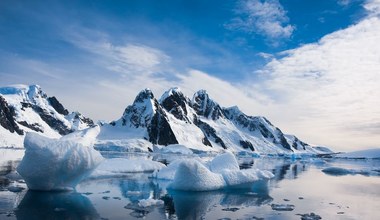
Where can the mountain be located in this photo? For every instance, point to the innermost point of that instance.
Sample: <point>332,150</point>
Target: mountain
<point>199,123</point>
<point>28,109</point>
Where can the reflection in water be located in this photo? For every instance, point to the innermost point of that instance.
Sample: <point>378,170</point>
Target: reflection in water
<point>55,205</point>
<point>194,205</point>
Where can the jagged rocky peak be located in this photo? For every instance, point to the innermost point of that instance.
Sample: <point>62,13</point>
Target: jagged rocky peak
<point>175,102</point>
<point>205,106</point>
<point>57,105</point>
<point>257,124</point>
<point>145,94</point>
<point>141,112</point>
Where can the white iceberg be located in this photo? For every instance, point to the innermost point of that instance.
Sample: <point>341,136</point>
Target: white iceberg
<point>121,166</point>
<point>222,172</point>
<point>226,161</point>
<point>191,175</point>
<point>58,164</point>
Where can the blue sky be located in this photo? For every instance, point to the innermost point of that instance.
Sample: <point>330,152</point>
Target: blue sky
<point>310,66</point>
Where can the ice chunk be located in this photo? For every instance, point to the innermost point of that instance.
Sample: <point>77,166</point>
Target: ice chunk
<point>120,166</point>
<point>192,175</point>
<point>168,173</point>
<point>235,178</point>
<point>337,171</point>
<point>175,149</point>
<point>311,216</point>
<point>226,161</point>
<point>222,172</point>
<point>150,202</point>
<point>58,164</point>
<point>282,207</point>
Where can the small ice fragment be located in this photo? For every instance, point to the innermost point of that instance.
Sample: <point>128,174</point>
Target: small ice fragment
<point>311,216</point>
<point>282,207</point>
<point>230,209</point>
<point>150,202</point>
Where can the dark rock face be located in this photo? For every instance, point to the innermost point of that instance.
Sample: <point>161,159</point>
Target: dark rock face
<point>247,145</point>
<point>138,114</point>
<point>176,105</point>
<point>298,144</point>
<point>51,121</point>
<point>7,117</point>
<point>160,131</point>
<point>57,106</point>
<point>259,124</point>
<point>210,133</point>
<point>204,106</point>
<point>35,126</point>
<point>83,119</point>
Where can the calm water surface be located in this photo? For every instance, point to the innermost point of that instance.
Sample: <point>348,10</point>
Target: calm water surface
<point>300,183</point>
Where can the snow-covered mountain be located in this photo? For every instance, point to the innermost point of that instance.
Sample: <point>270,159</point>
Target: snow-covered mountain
<point>28,109</point>
<point>199,123</point>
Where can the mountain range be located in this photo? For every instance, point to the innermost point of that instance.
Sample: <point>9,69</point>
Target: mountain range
<point>198,123</point>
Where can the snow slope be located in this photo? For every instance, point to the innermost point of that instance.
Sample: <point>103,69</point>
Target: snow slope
<point>28,109</point>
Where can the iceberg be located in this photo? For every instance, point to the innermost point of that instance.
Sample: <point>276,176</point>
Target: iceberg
<point>120,166</point>
<point>59,164</point>
<point>220,173</point>
<point>191,175</point>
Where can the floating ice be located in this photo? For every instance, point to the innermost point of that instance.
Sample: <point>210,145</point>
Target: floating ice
<point>282,207</point>
<point>226,161</point>
<point>58,164</point>
<point>174,149</point>
<point>192,175</point>
<point>222,172</point>
<point>150,202</point>
<point>311,216</point>
<point>337,171</point>
<point>168,173</point>
<point>120,166</point>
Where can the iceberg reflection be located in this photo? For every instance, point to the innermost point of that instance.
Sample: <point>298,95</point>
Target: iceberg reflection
<point>55,205</point>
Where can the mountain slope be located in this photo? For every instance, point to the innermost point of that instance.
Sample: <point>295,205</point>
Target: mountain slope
<point>28,109</point>
<point>199,123</point>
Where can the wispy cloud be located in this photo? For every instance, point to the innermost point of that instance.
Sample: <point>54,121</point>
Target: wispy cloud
<point>267,18</point>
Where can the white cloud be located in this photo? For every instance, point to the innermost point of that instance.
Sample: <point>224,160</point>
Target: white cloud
<point>373,7</point>
<point>267,18</point>
<point>329,91</point>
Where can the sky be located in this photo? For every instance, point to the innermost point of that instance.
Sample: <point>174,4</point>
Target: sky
<point>311,67</point>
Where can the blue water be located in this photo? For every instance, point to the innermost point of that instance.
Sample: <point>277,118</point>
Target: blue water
<point>300,183</point>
